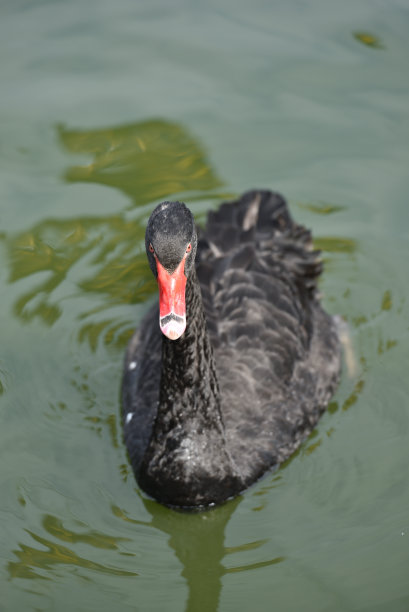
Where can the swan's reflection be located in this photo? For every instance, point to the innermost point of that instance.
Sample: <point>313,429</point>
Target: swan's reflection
<point>198,540</point>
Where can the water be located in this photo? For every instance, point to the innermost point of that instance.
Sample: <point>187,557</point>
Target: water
<point>105,109</point>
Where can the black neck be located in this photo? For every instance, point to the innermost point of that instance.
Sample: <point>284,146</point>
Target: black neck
<point>189,387</point>
<point>187,460</point>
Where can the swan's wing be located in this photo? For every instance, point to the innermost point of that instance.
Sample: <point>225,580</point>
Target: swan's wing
<point>252,251</point>
<point>276,350</point>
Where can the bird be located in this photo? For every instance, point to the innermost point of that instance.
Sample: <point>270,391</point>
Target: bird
<point>231,370</point>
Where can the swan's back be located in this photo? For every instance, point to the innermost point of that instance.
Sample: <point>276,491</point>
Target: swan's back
<point>276,351</point>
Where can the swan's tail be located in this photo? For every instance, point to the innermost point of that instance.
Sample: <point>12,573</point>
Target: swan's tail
<point>261,210</point>
<point>261,218</point>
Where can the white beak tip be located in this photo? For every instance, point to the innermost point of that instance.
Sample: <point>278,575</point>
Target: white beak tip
<point>173,328</point>
<point>173,334</point>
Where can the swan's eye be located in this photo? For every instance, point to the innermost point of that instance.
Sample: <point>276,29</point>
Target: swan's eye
<point>152,250</point>
<point>189,247</point>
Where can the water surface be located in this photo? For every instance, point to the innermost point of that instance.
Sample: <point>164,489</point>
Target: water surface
<point>106,109</point>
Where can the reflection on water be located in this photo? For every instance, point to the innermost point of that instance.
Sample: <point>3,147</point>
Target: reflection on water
<point>32,561</point>
<point>370,40</point>
<point>198,542</point>
<point>51,249</point>
<point>386,301</point>
<point>55,528</point>
<point>148,161</point>
<point>335,244</point>
<point>322,208</point>
<point>353,398</point>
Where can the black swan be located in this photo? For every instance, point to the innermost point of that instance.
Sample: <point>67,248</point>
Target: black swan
<point>247,360</point>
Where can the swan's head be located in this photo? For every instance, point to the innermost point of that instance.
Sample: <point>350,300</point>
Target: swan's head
<point>171,243</point>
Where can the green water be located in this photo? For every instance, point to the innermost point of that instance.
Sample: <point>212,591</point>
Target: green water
<point>105,109</point>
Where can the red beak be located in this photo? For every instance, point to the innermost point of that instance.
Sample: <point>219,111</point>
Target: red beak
<point>172,308</point>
